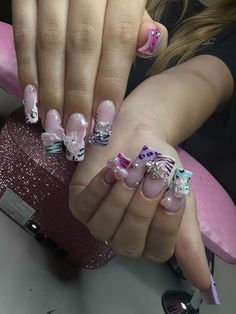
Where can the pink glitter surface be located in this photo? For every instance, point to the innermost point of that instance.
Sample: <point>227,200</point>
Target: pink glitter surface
<point>42,180</point>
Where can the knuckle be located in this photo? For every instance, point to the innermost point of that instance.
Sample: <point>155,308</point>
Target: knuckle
<point>21,37</point>
<point>98,234</point>
<point>123,32</point>
<point>167,231</point>
<point>51,39</point>
<point>160,257</point>
<point>52,97</point>
<point>83,39</point>
<point>113,82</point>
<point>126,252</point>
<point>138,217</point>
<point>117,201</point>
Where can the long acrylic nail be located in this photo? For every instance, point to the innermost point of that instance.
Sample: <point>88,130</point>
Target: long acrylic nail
<point>31,104</point>
<point>137,169</point>
<point>178,190</point>
<point>117,169</point>
<point>158,173</point>
<point>54,135</point>
<point>151,46</point>
<point>75,137</point>
<point>104,118</point>
<point>210,296</point>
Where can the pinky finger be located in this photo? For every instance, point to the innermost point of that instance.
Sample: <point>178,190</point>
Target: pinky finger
<point>24,14</point>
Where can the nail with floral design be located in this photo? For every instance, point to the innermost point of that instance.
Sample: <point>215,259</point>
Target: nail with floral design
<point>151,46</point>
<point>54,135</point>
<point>31,104</point>
<point>75,137</point>
<point>178,190</point>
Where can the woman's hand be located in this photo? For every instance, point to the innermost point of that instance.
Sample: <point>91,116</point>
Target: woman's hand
<point>75,56</point>
<point>138,219</point>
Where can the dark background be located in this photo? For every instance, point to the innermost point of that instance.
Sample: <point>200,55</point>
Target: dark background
<point>5,11</point>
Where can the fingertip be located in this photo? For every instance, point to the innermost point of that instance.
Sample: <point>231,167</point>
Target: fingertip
<point>152,38</point>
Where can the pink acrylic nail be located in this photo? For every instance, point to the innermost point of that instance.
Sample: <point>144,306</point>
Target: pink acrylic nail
<point>210,296</point>
<point>31,104</point>
<point>119,166</point>
<point>54,134</point>
<point>178,190</point>
<point>75,137</point>
<point>151,46</point>
<point>158,173</point>
<point>137,169</point>
<point>104,118</point>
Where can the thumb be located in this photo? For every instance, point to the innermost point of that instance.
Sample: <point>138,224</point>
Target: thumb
<point>152,38</point>
<point>190,254</point>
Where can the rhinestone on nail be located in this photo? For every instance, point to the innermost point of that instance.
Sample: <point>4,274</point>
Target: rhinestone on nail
<point>157,169</point>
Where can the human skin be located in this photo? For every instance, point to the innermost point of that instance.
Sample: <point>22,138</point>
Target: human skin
<point>165,110</point>
<point>78,53</point>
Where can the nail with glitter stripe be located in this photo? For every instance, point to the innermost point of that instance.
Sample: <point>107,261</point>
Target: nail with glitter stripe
<point>104,118</point>
<point>151,46</point>
<point>157,177</point>
<point>54,135</point>
<point>178,190</point>
<point>137,169</point>
<point>210,296</point>
<point>31,104</point>
<point>75,137</point>
<point>117,169</point>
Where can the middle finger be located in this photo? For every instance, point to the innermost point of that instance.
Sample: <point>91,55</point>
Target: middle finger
<point>84,40</point>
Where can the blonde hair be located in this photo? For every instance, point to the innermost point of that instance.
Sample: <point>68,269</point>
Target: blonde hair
<point>192,33</point>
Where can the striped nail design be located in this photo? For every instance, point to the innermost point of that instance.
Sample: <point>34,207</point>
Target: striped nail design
<point>54,135</point>
<point>104,118</point>
<point>137,169</point>
<point>75,137</point>
<point>157,175</point>
<point>118,165</point>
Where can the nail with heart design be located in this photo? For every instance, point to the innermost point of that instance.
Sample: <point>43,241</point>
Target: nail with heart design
<point>75,137</point>
<point>137,168</point>
<point>178,190</point>
<point>54,135</point>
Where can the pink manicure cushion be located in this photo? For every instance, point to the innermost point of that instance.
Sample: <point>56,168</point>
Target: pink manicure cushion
<point>216,211</point>
<point>8,64</point>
